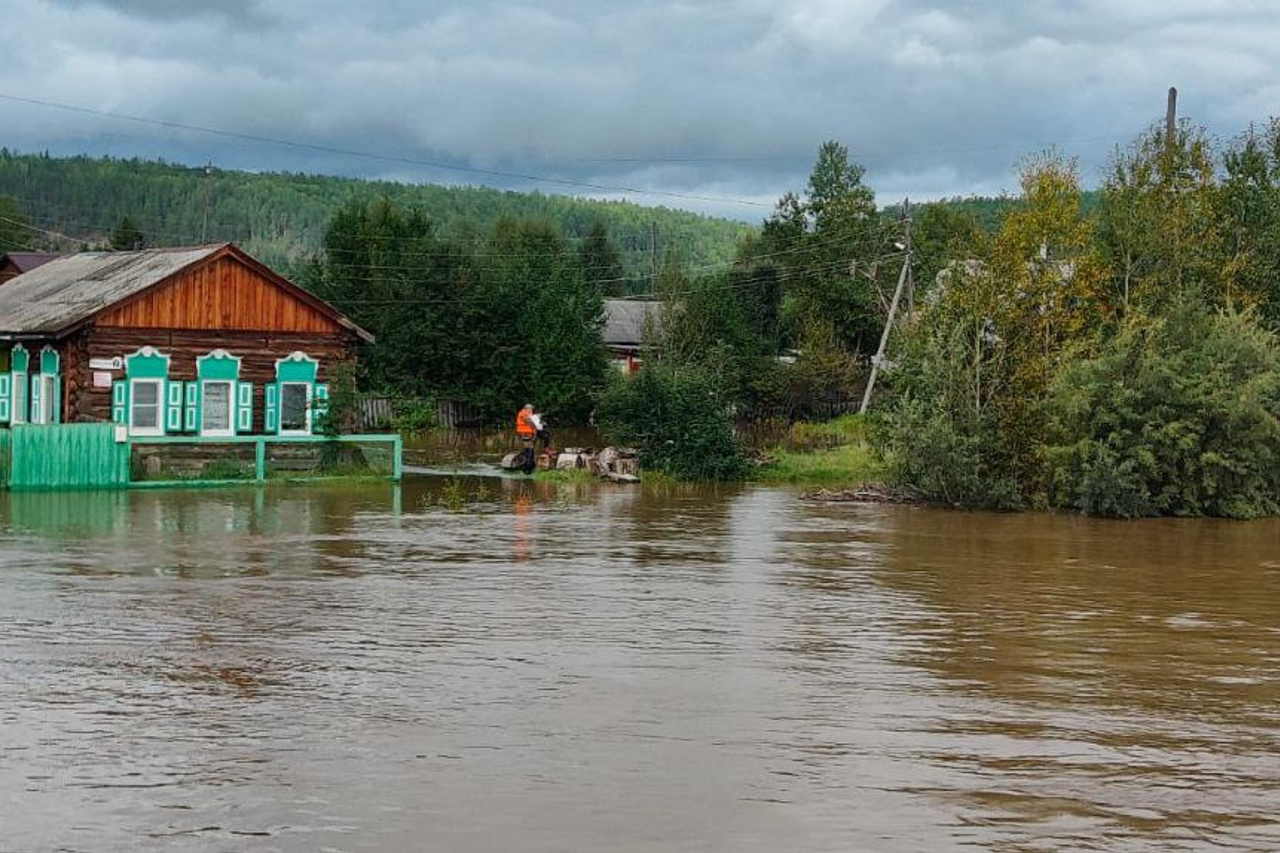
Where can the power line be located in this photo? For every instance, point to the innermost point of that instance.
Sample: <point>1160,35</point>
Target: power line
<point>876,231</point>
<point>704,272</point>
<point>369,155</point>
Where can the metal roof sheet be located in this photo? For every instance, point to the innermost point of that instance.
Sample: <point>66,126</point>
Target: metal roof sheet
<point>68,290</point>
<point>624,320</point>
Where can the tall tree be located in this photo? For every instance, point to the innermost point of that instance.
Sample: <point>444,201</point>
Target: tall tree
<point>1158,222</point>
<point>602,262</point>
<point>826,246</point>
<point>1248,204</point>
<point>126,237</point>
<point>15,232</point>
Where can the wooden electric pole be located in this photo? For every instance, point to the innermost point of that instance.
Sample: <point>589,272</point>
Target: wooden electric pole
<point>903,276</point>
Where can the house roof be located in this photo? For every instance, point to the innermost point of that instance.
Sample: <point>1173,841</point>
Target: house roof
<point>66,292</point>
<point>27,261</point>
<point>624,320</point>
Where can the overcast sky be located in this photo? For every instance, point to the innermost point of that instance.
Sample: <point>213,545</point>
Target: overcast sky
<point>721,99</point>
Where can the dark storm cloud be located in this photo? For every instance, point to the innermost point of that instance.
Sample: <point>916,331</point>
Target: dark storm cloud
<point>727,98</point>
<point>240,12</point>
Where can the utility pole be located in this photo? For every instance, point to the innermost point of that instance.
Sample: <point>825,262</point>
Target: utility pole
<point>903,276</point>
<point>1171,118</point>
<point>911,276</point>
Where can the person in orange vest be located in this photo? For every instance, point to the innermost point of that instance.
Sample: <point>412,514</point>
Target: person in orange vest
<point>528,425</point>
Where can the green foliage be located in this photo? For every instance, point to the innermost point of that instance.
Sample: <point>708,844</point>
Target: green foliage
<point>414,415</point>
<point>16,233</point>
<point>282,218</point>
<point>940,233</point>
<point>827,248</point>
<point>126,237</point>
<point>677,419</point>
<point>602,262</point>
<point>1158,227</point>
<point>941,436</point>
<point>967,427</point>
<point>1176,415</point>
<point>340,409</point>
<point>492,320</point>
<point>835,452</point>
<point>1248,207</point>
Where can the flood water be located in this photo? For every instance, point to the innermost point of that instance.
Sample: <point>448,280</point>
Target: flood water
<point>583,668</point>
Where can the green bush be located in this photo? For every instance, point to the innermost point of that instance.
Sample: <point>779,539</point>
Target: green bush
<point>948,457</point>
<point>414,415</point>
<point>677,420</point>
<point>1174,416</point>
<point>941,430</point>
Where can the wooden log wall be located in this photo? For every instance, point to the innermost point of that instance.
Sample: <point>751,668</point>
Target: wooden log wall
<point>258,351</point>
<point>221,295</point>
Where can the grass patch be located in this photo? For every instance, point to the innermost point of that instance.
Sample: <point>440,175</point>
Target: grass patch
<point>831,453</point>
<point>573,475</point>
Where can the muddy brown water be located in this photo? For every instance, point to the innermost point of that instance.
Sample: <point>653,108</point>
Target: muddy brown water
<point>584,668</point>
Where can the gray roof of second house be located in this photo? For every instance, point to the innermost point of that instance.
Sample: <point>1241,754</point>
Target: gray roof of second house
<point>624,321</point>
<point>66,292</point>
<point>27,261</point>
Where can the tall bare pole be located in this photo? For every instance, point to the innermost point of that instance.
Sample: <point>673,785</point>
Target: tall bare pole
<point>903,275</point>
<point>1171,117</point>
<point>911,276</point>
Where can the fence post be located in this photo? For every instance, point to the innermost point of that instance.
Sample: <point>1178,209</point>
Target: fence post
<point>260,459</point>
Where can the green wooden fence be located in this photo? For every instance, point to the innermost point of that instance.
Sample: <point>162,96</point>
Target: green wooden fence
<point>89,456</point>
<point>67,456</point>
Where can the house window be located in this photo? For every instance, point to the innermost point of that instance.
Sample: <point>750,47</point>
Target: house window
<point>295,408</point>
<point>216,417</point>
<point>145,401</point>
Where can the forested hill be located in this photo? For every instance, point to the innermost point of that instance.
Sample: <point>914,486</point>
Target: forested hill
<point>281,217</point>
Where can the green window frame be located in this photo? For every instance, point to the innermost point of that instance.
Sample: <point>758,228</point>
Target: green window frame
<point>19,405</point>
<point>295,374</point>
<point>221,367</point>
<point>145,367</point>
<point>46,388</point>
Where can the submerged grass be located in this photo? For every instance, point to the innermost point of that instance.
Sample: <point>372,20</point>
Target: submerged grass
<point>573,475</point>
<point>835,452</point>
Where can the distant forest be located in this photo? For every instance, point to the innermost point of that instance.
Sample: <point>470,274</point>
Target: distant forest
<point>281,218</point>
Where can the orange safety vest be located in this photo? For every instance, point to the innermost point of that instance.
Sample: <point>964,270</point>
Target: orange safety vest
<point>524,424</point>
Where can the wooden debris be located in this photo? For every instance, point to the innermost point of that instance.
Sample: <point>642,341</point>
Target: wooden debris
<point>866,493</point>
<point>617,464</point>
